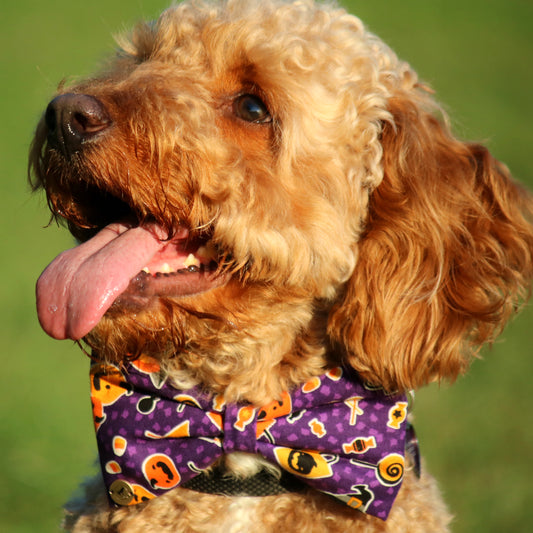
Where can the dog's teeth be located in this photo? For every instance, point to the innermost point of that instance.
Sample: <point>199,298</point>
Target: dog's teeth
<point>146,269</point>
<point>208,251</point>
<point>191,261</point>
<point>165,269</point>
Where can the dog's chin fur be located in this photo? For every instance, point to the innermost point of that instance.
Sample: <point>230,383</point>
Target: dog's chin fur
<point>354,228</point>
<point>255,345</point>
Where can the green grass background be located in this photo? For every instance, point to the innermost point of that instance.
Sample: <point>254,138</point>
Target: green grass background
<point>477,436</point>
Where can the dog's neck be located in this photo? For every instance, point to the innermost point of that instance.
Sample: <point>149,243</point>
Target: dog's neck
<point>272,345</point>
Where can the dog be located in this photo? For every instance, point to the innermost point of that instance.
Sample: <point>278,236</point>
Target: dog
<point>278,239</point>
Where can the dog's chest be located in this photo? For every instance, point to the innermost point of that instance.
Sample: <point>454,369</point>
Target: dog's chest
<point>241,515</point>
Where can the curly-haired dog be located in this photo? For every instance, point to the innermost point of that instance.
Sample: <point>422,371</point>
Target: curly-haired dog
<point>279,237</point>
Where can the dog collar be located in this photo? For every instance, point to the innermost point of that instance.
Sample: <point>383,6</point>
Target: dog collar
<point>334,433</point>
<point>264,483</point>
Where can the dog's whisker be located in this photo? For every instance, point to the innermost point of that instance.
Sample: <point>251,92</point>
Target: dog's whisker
<point>206,225</point>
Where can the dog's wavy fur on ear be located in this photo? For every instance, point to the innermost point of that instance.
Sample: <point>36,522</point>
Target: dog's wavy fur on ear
<point>446,257</point>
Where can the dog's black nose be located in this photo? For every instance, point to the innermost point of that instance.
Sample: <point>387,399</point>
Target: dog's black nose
<point>73,119</point>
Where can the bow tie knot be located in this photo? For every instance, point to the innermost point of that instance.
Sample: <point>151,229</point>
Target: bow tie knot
<point>338,435</point>
<point>240,434</point>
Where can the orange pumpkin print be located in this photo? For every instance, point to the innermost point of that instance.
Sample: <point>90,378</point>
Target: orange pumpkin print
<point>107,386</point>
<point>160,471</point>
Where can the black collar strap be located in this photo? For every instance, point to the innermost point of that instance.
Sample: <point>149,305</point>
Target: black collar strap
<point>217,481</point>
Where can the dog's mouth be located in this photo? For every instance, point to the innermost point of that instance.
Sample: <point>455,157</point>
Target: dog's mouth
<point>123,265</point>
<point>183,266</point>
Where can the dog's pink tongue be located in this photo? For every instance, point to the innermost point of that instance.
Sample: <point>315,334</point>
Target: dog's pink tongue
<point>79,286</point>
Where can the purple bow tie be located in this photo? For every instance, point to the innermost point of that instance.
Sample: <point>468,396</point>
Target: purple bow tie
<point>339,436</point>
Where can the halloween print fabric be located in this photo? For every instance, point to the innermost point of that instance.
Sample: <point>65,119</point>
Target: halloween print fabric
<point>340,436</point>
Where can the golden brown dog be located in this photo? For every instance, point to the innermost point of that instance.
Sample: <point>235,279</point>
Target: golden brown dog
<point>265,195</point>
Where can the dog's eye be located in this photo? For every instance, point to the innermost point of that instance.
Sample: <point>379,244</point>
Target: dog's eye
<point>252,109</point>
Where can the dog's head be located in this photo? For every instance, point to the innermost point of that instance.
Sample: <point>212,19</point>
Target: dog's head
<point>278,191</point>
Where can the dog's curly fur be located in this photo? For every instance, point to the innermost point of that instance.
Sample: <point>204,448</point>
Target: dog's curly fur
<point>352,225</point>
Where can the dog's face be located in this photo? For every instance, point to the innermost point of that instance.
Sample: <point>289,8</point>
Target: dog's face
<point>233,147</point>
<point>219,173</point>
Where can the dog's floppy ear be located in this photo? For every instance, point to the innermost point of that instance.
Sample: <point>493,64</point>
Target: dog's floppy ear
<point>444,261</point>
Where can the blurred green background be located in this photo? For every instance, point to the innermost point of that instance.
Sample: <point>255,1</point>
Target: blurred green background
<point>477,436</point>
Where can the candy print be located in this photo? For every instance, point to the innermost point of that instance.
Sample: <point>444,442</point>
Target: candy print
<point>359,445</point>
<point>390,469</point>
<point>245,416</point>
<point>335,373</point>
<point>112,467</point>
<point>397,414</point>
<point>353,404</point>
<point>119,445</point>
<point>312,385</point>
<point>317,428</point>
